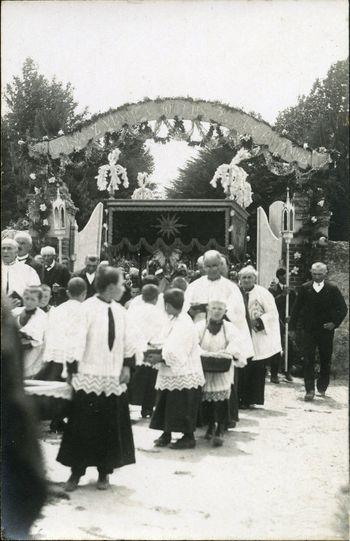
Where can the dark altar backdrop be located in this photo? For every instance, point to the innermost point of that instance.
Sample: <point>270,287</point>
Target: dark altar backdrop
<point>192,226</point>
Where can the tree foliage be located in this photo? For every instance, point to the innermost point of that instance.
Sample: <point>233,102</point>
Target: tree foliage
<point>194,179</point>
<point>36,107</point>
<point>39,108</point>
<point>320,119</point>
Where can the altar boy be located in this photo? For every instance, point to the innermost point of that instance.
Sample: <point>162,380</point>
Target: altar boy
<point>149,321</point>
<point>180,377</point>
<point>99,428</point>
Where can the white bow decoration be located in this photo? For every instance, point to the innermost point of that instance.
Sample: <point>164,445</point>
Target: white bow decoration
<point>116,172</point>
<point>233,179</point>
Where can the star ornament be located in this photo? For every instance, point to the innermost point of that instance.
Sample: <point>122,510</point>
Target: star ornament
<point>168,226</point>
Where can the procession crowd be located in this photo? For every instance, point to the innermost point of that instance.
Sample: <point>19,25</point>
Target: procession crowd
<point>191,351</point>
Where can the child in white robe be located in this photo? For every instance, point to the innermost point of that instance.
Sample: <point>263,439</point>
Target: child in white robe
<point>180,377</point>
<point>62,341</point>
<point>218,338</point>
<point>31,321</point>
<point>149,321</point>
<point>99,432</point>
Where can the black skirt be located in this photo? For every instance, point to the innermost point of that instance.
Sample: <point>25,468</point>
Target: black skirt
<point>176,411</point>
<point>98,433</point>
<point>214,412</point>
<point>141,388</point>
<point>251,385</point>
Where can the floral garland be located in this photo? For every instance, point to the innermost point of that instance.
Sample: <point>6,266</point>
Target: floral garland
<point>40,205</point>
<point>43,180</point>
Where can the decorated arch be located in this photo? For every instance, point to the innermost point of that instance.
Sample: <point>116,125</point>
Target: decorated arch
<point>206,117</point>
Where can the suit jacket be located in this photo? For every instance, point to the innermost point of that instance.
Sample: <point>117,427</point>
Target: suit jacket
<point>57,275</point>
<point>36,266</point>
<point>91,288</point>
<point>315,309</point>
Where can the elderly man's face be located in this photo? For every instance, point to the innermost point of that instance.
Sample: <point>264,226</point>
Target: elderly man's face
<point>318,275</point>
<point>247,281</point>
<point>8,253</point>
<point>212,266</point>
<point>48,259</point>
<point>24,246</point>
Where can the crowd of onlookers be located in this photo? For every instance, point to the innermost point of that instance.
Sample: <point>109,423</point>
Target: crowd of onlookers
<point>191,347</point>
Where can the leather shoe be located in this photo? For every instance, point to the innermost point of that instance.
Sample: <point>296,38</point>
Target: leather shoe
<point>184,443</point>
<point>274,379</point>
<point>310,395</point>
<point>288,376</point>
<point>163,440</point>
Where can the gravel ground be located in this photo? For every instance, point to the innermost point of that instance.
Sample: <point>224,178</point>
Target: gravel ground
<point>279,475</point>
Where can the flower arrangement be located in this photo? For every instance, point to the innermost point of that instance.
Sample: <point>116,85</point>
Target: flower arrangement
<point>112,175</point>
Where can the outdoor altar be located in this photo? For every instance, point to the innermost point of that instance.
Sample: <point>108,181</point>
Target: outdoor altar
<point>138,229</point>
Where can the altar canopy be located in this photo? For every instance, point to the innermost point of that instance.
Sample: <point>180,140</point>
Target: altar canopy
<point>190,226</point>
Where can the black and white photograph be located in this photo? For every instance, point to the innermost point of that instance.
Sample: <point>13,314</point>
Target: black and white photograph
<point>175,270</point>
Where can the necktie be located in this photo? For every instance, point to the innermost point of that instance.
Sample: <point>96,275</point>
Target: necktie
<point>111,328</point>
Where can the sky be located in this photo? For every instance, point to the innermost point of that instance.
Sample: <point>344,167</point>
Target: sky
<point>254,54</point>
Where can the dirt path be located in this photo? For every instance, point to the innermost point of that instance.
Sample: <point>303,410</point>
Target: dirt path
<point>277,477</point>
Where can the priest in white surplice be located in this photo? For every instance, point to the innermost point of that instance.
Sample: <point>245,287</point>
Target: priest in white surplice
<point>15,276</point>
<point>266,337</point>
<point>214,287</point>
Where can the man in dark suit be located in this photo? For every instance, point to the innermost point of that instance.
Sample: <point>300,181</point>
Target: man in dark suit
<point>54,275</point>
<point>24,241</point>
<point>322,308</point>
<point>88,274</point>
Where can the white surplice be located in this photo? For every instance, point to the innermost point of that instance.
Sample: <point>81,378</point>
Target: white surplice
<point>203,291</point>
<point>149,320</point>
<point>181,353</point>
<point>35,329</point>
<point>62,342</point>
<point>218,384</point>
<point>100,367</point>
<point>17,276</point>
<point>261,304</point>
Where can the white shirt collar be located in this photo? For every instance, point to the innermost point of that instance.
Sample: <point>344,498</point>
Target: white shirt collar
<point>22,257</point>
<point>90,276</point>
<point>318,285</point>
<point>50,267</point>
